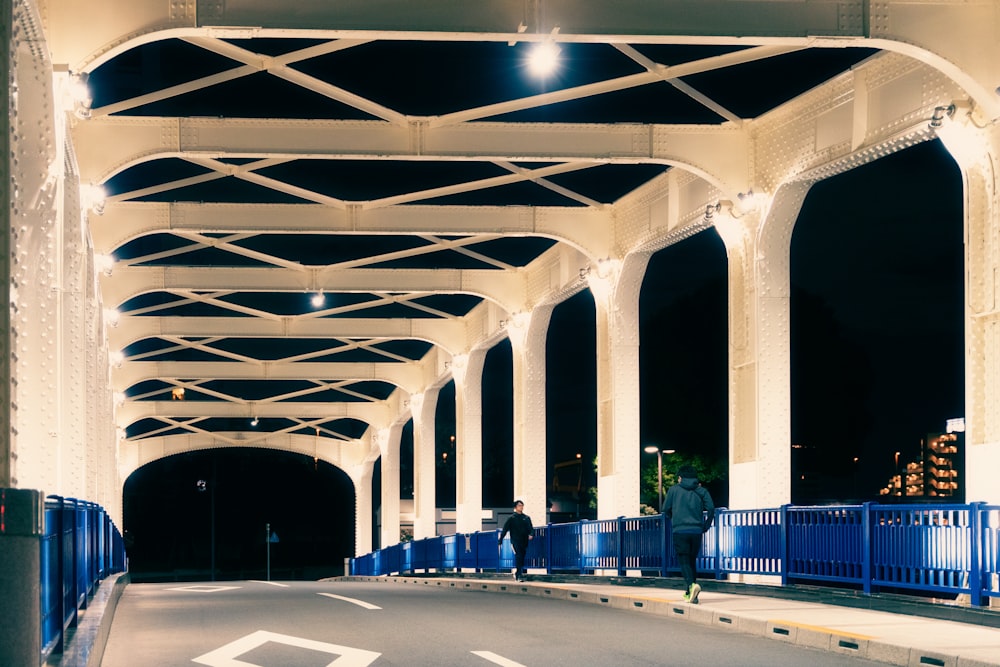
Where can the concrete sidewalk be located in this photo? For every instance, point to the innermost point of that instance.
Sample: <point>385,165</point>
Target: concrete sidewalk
<point>877,634</point>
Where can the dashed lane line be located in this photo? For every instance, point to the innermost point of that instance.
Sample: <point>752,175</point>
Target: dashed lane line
<point>360,603</point>
<point>496,659</point>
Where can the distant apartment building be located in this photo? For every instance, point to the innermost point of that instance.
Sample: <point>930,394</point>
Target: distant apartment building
<point>935,474</point>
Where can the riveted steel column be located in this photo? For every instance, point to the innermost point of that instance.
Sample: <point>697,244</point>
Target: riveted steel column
<point>361,475</point>
<point>34,261</point>
<point>468,373</point>
<point>527,337</point>
<point>388,440</point>
<point>759,357</point>
<point>977,152</point>
<point>8,471</point>
<point>617,304</point>
<point>422,408</point>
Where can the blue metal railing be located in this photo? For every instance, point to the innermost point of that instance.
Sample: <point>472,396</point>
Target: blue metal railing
<point>80,547</point>
<point>935,549</point>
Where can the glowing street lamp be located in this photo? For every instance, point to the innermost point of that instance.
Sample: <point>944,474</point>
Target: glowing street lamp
<point>650,449</point>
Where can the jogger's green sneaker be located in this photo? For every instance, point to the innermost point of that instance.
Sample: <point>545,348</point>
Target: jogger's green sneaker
<point>687,596</point>
<point>692,594</point>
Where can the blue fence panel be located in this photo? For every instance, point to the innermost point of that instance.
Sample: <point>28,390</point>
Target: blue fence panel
<point>925,547</point>
<point>449,552</point>
<point>599,545</point>
<point>707,560</point>
<point>467,547</point>
<point>393,560</point>
<point>990,549</point>
<point>487,552</point>
<point>419,556</point>
<point>406,562</point>
<point>362,566</point>
<point>67,561</point>
<point>537,555</point>
<point>51,575</point>
<point>81,554</point>
<point>826,543</point>
<point>434,553</point>
<point>749,541</point>
<point>506,556</point>
<point>565,547</point>
<point>642,543</point>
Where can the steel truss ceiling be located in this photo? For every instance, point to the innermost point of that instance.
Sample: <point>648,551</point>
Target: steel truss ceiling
<point>409,184</point>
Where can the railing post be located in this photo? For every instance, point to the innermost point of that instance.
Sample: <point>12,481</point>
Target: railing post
<point>548,548</point>
<point>579,543</point>
<point>718,547</point>
<point>785,546</point>
<point>620,557</point>
<point>663,544</point>
<point>976,553</point>
<point>867,547</point>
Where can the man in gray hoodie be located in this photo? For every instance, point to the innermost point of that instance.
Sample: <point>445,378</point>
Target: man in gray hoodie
<point>689,507</point>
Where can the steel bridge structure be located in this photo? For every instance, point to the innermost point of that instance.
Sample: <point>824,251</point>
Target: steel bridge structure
<point>181,174</point>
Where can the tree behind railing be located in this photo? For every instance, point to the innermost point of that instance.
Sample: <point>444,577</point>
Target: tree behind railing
<point>939,549</point>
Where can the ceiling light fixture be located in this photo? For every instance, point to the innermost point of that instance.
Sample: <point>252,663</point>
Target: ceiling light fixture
<point>940,113</point>
<point>543,59</point>
<point>93,197</point>
<point>318,299</point>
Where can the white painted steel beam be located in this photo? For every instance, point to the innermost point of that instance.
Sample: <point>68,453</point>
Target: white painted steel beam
<point>502,287</point>
<point>376,412</point>
<point>408,375</point>
<point>342,454</point>
<point>113,144</point>
<point>448,334</point>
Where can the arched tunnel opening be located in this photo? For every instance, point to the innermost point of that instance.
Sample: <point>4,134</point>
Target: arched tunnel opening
<point>236,514</point>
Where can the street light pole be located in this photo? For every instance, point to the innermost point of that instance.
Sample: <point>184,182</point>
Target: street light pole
<point>659,479</point>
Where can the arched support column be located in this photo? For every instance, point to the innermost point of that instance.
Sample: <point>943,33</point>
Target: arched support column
<point>616,294</point>
<point>361,475</point>
<point>422,408</point>
<point>527,334</point>
<point>759,344</point>
<point>977,152</point>
<point>388,440</point>
<point>468,373</point>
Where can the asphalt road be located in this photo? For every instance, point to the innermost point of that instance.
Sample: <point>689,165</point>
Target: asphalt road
<point>353,624</point>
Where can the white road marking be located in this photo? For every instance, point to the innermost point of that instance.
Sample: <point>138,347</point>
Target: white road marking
<point>226,656</point>
<point>203,589</point>
<point>269,583</point>
<point>360,603</point>
<point>496,659</point>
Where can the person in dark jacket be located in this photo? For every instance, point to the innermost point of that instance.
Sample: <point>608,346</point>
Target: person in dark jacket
<point>521,532</point>
<point>689,507</point>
